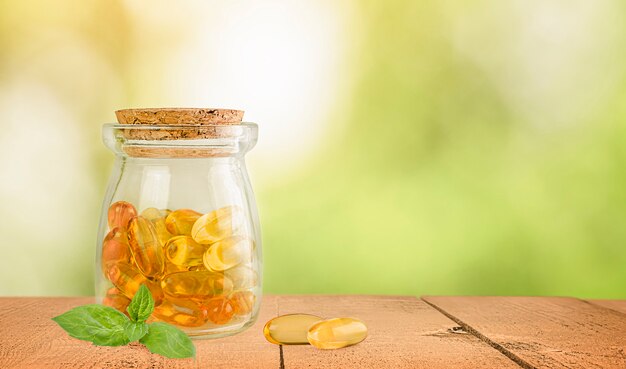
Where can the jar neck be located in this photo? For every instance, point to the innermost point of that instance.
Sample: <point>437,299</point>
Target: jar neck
<point>180,142</point>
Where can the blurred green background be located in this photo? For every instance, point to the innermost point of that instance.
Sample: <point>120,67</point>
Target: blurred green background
<point>406,147</point>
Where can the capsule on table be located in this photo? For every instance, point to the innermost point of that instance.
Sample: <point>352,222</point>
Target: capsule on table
<point>115,299</point>
<point>290,329</point>
<point>336,333</point>
<point>120,213</point>
<point>145,247</point>
<point>157,217</point>
<point>242,276</point>
<point>180,222</point>
<point>115,248</point>
<point>184,251</point>
<point>218,224</point>
<point>196,284</point>
<point>126,278</point>
<point>228,253</point>
<point>243,302</point>
<point>186,313</point>
<point>220,309</point>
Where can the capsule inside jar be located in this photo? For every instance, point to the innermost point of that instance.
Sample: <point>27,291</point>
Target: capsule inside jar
<point>157,217</point>
<point>187,313</point>
<point>196,284</point>
<point>227,253</point>
<point>184,251</point>
<point>180,222</point>
<point>217,225</point>
<point>120,213</point>
<point>145,247</point>
<point>115,248</point>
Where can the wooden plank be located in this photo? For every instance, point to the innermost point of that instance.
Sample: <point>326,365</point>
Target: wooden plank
<point>404,332</point>
<point>547,332</point>
<point>617,305</point>
<point>29,339</point>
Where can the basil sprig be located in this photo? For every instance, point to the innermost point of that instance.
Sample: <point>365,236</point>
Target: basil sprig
<point>105,326</point>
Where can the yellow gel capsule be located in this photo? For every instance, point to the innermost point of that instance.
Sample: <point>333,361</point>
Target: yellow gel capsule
<point>116,300</point>
<point>220,310</point>
<point>218,224</point>
<point>120,213</point>
<point>336,333</point>
<point>145,247</point>
<point>186,313</point>
<point>126,278</point>
<point>157,217</point>
<point>243,302</point>
<point>228,253</point>
<point>289,329</point>
<point>184,251</point>
<point>243,277</point>
<point>180,222</point>
<point>115,248</point>
<point>196,284</point>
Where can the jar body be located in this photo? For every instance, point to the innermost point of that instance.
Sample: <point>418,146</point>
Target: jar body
<point>188,229</point>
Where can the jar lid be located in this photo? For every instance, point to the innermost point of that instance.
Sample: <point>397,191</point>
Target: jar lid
<point>179,116</point>
<point>180,132</point>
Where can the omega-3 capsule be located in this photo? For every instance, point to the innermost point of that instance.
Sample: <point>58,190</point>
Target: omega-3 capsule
<point>126,278</point>
<point>196,284</point>
<point>220,309</point>
<point>228,253</point>
<point>242,276</point>
<point>115,248</point>
<point>289,329</point>
<point>336,333</point>
<point>243,302</point>
<point>145,247</point>
<point>115,299</point>
<point>157,217</point>
<point>184,251</point>
<point>187,313</point>
<point>180,222</point>
<point>217,225</point>
<point>120,213</point>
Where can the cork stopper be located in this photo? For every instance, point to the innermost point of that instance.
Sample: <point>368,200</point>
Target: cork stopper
<point>179,116</point>
<point>166,124</point>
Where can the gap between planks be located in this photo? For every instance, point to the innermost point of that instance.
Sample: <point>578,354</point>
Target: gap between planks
<point>516,359</point>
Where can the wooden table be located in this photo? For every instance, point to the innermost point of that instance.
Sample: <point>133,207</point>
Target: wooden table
<point>404,332</point>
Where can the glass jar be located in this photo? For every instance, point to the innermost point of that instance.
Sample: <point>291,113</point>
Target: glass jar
<point>180,217</point>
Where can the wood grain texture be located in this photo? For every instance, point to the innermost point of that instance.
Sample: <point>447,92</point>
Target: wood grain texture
<point>617,305</point>
<point>404,332</point>
<point>548,332</point>
<point>29,339</point>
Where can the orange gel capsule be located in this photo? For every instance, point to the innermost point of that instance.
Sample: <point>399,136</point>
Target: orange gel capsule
<point>126,278</point>
<point>183,250</point>
<point>220,310</point>
<point>115,248</point>
<point>116,300</point>
<point>218,224</point>
<point>228,253</point>
<point>157,217</point>
<point>186,313</point>
<point>243,302</point>
<point>196,284</point>
<point>290,329</point>
<point>120,213</point>
<point>180,222</point>
<point>336,333</point>
<point>145,247</point>
<point>243,277</point>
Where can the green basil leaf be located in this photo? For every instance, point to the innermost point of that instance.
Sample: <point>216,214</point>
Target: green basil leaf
<point>102,325</point>
<point>142,305</point>
<point>169,341</point>
<point>135,330</point>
